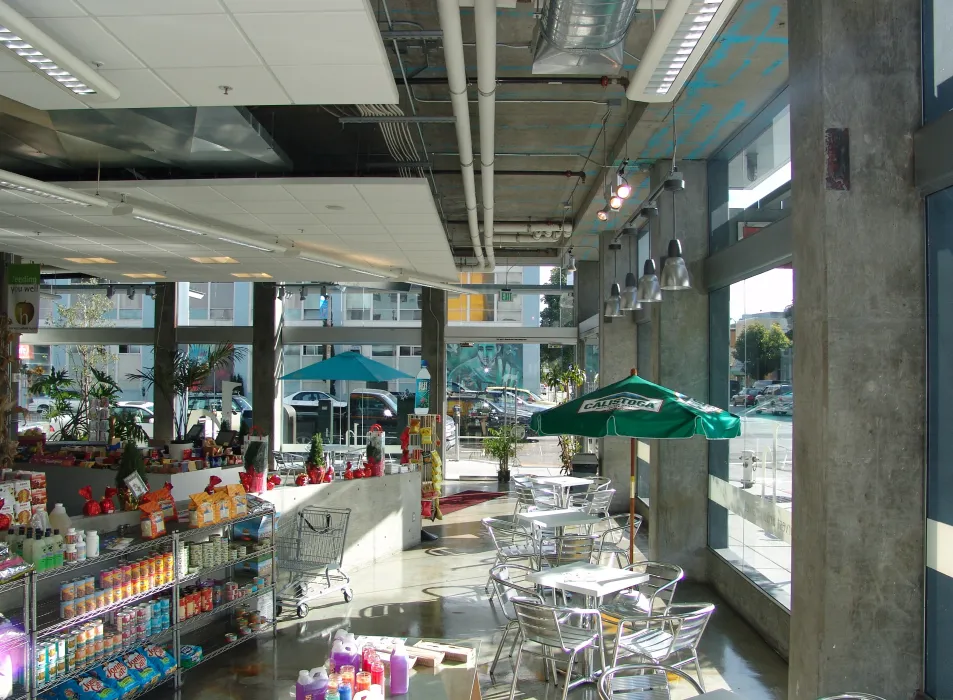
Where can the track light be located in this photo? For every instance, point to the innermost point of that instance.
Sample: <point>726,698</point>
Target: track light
<point>324,292</point>
<point>674,273</point>
<point>602,214</point>
<point>152,292</point>
<point>622,188</point>
<point>304,294</point>
<point>615,202</point>
<point>571,267</point>
<point>110,291</point>
<point>131,293</point>
<point>649,290</point>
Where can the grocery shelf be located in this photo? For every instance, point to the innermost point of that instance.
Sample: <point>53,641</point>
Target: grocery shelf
<point>192,578</point>
<point>50,609</point>
<point>208,656</point>
<point>14,585</point>
<point>237,603</point>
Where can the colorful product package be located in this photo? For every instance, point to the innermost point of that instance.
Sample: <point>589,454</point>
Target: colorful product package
<point>201,512</point>
<point>191,655</point>
<point>236,492</point>
<point>90,688</point>
<point>159,659</point>
<point>151,520</point>
<point>252,530</point>
<point>163,497</point>
<point>223,504</point>
<point>117,676</point>
<point>139,668</point>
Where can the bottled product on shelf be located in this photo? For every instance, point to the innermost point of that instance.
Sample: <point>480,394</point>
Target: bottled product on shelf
<point>399,670</point>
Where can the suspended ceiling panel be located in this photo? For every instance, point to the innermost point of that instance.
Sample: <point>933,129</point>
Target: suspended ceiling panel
<point>390,224</point>
<point>178,53</point>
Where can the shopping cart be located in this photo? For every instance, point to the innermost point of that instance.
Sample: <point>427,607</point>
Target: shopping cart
<point>310,548</point>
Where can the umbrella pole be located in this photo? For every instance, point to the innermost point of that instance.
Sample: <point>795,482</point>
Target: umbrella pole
<point>632,495</point>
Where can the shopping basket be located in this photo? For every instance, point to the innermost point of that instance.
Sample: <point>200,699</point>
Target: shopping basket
<point>310,548</point>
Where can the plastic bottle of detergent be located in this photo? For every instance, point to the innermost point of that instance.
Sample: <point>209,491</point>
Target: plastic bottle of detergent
<point>422,393</point>
<point>399,670</point>
<point>319,683</point>
<point>303,686</point>
<point>59,520</point>
<point>339,656</point>
<point>355,651</point>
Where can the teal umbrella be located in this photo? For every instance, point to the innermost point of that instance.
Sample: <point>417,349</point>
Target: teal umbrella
<point>348,366</point>
<point>636,408</point>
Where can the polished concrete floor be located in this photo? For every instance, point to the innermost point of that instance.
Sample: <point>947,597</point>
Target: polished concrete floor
<point>436,590</point>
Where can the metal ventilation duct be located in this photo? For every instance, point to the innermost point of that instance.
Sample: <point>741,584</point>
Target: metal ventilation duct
<point>582,37</point>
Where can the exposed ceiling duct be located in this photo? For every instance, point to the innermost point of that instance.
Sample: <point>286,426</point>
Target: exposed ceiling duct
<point>485,20</point>
<point>582,37</point>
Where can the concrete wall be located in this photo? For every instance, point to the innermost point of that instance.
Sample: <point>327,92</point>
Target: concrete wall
<point>588,290</point>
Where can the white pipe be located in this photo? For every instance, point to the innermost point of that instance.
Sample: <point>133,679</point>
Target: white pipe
<point>457,79</point>
<point>563,229</point>
<point>485,20</point>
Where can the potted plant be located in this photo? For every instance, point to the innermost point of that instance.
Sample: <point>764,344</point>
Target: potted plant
<point>130,463</point>
<point>190,369</point>
<point>501,445</point>
<point>315,460</point>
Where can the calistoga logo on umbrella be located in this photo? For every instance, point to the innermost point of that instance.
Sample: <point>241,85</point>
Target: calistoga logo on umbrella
<point>622,401</point>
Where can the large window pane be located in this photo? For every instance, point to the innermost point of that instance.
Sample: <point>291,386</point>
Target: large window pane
<point>755,498</point>
<point>937,59</point>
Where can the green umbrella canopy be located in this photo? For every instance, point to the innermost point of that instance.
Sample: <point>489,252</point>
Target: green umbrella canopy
<point>636,408</point>
<point>348,366</point>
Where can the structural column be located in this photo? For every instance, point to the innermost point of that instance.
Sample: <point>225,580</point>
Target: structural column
<point>433,332</point>
<point>617,359</point>
<point>164,348</point>
<point>858,520</point>
<point>678,500</point>
<point>266,363</point>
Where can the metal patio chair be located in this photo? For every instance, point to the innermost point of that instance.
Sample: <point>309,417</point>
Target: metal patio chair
<point>610,539</point>
<point>641,682</point>
<point>556,631</point>
<point>653,597</point>
<point>502,577</point>
<point>594,502</point>
<point>513,543</point>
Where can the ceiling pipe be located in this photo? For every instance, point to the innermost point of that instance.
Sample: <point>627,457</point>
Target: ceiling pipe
<point>449,11</point>
<point>485,21</point>
<point>545,228</point>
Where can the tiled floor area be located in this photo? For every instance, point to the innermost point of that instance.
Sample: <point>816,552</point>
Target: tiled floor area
<point>436,590</point>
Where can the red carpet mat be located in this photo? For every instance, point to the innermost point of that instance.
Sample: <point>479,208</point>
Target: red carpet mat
<point>465,499</point>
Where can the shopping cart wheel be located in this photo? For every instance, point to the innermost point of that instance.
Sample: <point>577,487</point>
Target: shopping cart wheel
<point>278,611</point>
<point>303,610</point>
<point>348,595</point>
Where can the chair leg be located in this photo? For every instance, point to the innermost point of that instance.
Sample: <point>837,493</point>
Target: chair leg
<point>569,665</point>
<point>516,671</point>
<point>499,649</point>
<point>618,643</point>
<point>698,672</point>
<point>516,639</point>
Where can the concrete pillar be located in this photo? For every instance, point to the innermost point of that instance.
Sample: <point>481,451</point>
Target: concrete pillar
<point>265,363</point>
<point>589,295</point>
<point>858,535</point>
<point>164,349</point>
<point>433,332</point>
<point>678,501</point>
<point>617,358</point>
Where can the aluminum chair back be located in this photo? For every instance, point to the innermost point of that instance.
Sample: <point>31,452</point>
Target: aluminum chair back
<point>538,622</point>
<point>853,696</point>
<point>568,549</point>
<point>688,622</point>
<point>599,501</point>
<point>659,590</point>
<point>524,497</point>
<point>507,589</point>
<point>545,498</point>
<point>641,682</point>
<point>600,483</point>
<point>506,533</point>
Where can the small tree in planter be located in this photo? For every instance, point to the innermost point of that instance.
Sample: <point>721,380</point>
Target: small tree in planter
<point>568,379</point>
<point>315,461</point>
<point>130,463</point>
<point>501,445</point>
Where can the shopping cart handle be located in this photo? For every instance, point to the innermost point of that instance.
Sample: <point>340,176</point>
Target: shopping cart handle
<point>324,530</point>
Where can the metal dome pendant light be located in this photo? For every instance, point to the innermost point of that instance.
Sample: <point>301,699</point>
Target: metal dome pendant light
<point>675,276</point>
<point>613,308</point>
<point>649,290</point>
<point>630,295</point>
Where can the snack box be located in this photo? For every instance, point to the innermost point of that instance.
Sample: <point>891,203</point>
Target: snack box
<point>257,566</point>
<point>38,496</point>
<point>8,495</point>
<point>22,512</point>
<point>253,529</point>
<point>21,489</point>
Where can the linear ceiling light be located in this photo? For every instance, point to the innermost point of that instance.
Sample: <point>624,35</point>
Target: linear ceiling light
<point>91,261</point>
<point>320,262</point>
<point>51,59</point>
<point>246,245</point>
<point>144,275</point>
<point>164,224</point>
<point>252,275</point>
<point>365,272</point>
<point>39,193</point>
<point>222,260</point>
<point>195,294</point>
<point>684,33</point>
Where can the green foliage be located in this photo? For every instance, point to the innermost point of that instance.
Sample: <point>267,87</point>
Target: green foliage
<point>501,444</point>
<point>554,315</point>
<point>71,401</point>
<point>316,452</point>
<point>186,373</point>
<point>566,379</point>
<point>760,349</point>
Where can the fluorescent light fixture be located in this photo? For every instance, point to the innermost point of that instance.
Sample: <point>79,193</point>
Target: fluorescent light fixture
<point>365,272</point>
<point>195,294</point>
<point>683,34</point>
<point>252,275</point>
<point>164,224</point>
<point>51,59</point>
<point>91,261</point>
<point>222,260</point>
<point>39,193</point>
<point>320,262</point>
<point>246,245</point>
<point>144,275</point>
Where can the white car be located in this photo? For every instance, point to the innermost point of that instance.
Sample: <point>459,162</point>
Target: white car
<point>312,399</point>
<point>142,411</point>
<point>40,405</point>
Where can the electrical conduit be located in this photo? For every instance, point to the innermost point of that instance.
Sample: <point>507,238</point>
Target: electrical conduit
<point>485,19</point>
<point>457,79</point>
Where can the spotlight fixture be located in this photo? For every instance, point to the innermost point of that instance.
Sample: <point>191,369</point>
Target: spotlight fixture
<point>615,202</point>
<point>674,272</point>
<point>649,290</point>
<point>571,267</point>
<point>602,214</point>
<point>304,293</point>
<point>110,291</point>
<point>152,292</point>
<point>131,293</point>
<point>622,188</point>
<point>324,292</point>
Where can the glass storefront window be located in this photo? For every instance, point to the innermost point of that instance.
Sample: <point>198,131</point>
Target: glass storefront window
<point>94,308</point>
<point>751,489</point>
<point>937,59</point>
<point>215,303</point>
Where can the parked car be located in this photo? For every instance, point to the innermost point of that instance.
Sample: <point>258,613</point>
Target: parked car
<point>142,411</point>
<point>529,397</point>
<point>495,415</point>
<point>748,397</point>
<point>207,401</point>
<point>42,404</point>
<point>506,397</point>
<point>311,399</point>
<point>784,405</point>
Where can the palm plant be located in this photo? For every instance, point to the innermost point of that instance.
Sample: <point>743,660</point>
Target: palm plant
<point>568,379</point>
<point>71,402</point>
<point>502,445</point>
<point>188,372</point>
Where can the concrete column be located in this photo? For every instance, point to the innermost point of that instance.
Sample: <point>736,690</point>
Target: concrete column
<point>164,349</point>
<point>617,357</point>
<point>858,535</point>
<point>678,501</point>
<point>265,363</point>
<point>588,284</point>
<point>433,332</point>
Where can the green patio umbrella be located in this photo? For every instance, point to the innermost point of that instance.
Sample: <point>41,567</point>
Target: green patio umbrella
<point>636,408</point>
<point>348,366</point>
